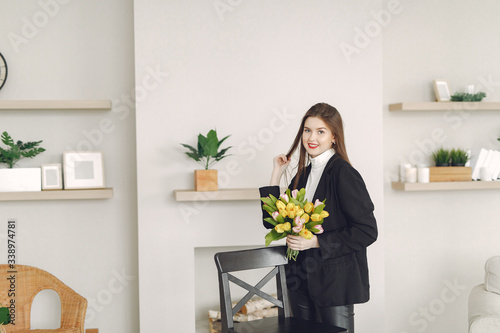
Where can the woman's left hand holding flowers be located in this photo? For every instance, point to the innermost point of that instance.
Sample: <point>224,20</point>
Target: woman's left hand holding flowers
<point>300,243</point>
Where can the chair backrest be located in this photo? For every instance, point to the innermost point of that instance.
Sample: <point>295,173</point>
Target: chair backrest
<point>232,261</point>
<point>22,283</point>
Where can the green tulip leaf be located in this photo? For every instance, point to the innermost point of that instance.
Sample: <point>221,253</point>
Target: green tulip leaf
<point>301,195</point>
<point>269,202</point>
<point>271,221</point>
<point>318,209</point>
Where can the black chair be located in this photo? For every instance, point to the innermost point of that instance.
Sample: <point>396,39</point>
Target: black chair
<point>253,259</point>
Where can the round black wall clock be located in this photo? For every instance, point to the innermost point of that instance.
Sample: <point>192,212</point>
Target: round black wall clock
<point>3,71</point>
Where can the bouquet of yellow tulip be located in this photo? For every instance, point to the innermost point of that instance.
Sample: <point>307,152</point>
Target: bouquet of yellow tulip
<point>292,214</point>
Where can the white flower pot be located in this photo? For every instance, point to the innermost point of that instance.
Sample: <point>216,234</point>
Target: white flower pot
<point>21,180</point>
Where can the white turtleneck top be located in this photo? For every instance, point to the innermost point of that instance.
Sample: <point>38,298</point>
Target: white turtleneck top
<point>318,164</point>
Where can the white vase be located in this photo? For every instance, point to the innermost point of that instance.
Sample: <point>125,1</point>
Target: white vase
<point>21,180</point>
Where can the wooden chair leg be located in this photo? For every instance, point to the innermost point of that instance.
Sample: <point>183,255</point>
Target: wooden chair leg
<point>92,330</point>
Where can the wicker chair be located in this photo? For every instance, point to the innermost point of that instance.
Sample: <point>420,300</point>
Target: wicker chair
<point>28,282</point>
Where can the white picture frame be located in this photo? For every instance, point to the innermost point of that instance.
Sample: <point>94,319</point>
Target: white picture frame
<point>52,177</point>
<point>83,170</point>
<point>442,91</point>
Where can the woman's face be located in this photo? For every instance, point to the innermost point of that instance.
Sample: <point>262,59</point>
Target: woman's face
<point>317,137</point>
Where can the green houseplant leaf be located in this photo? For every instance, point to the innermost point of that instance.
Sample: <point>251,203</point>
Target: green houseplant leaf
<point>221,154</point>
<point>221,141</point>
<point>7,140</point>
<point>193,154</point>
<point>211,144</point>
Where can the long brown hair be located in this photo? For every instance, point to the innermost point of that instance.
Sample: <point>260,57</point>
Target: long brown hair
<point>333,120</point>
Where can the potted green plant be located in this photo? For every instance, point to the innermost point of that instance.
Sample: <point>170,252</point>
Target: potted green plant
<point>19,179</point>
<point>207,153</point>
<point>444,172</point>
<point>459,157</point>
<point>441,157</point>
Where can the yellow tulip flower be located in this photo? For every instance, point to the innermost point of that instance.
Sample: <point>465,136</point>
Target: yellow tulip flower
<point>324,214</point>
<point>305,217</point>
<point>282,227</point>
<point>290,209</point>
<point>315,217</point>
<point>308,207</point>
<point>280,205</point>
<point>306,233</point>
<point>283,212</point>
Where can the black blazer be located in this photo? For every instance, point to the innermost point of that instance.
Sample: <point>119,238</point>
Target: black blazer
<point>336,273</point>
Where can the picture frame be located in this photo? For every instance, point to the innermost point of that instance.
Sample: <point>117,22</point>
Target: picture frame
<point>52,177</point>
<point>442,91</point>
<point>83,170</point>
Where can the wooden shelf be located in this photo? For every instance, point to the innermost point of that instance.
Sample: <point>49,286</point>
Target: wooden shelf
<point>221,195</point>
<point>55,105</point>
<point>445,106</point>
<point>445,186</point>
<point>104,193</point>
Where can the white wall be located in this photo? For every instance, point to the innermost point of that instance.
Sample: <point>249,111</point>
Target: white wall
<point>437,238</point>
<point>237,70</point>
<point>76,50</point>
<point>234,71</point>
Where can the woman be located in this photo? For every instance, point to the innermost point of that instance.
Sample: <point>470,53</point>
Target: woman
<point>331,271</point>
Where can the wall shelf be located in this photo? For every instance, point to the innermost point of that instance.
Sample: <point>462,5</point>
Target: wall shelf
<point>221,195</point>
<point>10,105</point>
<point>445,186</point>
<point>104,193</point>
<point>445,106</point>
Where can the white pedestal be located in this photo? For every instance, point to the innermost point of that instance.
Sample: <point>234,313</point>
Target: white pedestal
<point>21,180</point>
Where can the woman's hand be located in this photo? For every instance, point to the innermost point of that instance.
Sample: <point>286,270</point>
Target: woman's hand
<point>280,163</point>
<point>300,243</point>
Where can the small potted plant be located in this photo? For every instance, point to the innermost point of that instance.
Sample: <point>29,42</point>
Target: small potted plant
<point>19,179</point>
<point>450,166</point>
<point>441,157</point>
<point>207,153</point>
<point>459,157</point>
